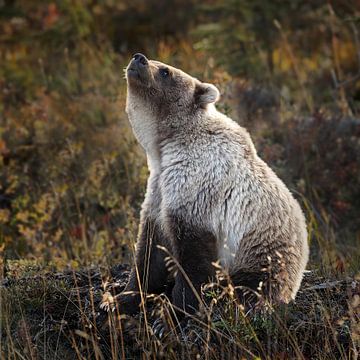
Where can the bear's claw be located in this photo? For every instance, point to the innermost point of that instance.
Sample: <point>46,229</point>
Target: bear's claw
<point>107,302</point>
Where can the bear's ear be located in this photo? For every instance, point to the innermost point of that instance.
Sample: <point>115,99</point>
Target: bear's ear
<point>206,94</point>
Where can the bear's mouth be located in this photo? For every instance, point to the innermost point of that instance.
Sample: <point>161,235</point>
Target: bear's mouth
<point>136,76</point>
<point>133,72</point>
<point>138,69</point>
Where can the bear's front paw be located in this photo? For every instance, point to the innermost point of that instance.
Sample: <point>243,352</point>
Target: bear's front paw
<point>125,303</point>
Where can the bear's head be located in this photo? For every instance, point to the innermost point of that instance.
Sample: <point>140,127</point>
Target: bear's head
<point>162,101</point>
<point>165,89</point>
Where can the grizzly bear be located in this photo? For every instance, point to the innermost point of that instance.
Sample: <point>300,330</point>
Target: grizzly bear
<point>209,198</point>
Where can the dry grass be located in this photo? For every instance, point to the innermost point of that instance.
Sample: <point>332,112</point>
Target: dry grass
<point>47,315</point>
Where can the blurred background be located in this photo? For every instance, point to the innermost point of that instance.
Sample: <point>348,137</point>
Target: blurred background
<point>72,177</point>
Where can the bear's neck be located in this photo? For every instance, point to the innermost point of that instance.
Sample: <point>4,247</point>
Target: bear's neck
<point>183,125</point>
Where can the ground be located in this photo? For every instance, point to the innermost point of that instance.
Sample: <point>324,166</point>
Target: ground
<point>50,315</point>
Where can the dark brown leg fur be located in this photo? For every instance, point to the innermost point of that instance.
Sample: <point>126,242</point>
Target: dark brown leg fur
<point>195,250</point>
<point>149,268</point>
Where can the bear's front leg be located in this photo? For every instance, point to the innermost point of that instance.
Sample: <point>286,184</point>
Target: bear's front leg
<point>195,250</point>
<point>149,273</point>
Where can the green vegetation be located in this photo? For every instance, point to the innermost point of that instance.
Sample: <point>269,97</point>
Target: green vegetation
<point>72,176</point>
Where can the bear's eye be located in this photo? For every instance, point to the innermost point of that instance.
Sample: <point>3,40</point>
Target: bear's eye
<point>164,73</point>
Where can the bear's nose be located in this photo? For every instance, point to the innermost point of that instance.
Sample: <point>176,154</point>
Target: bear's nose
<point>140,59</point>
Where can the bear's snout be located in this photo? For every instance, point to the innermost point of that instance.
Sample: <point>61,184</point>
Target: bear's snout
<point>140,60</point>
<point>138,67</point>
